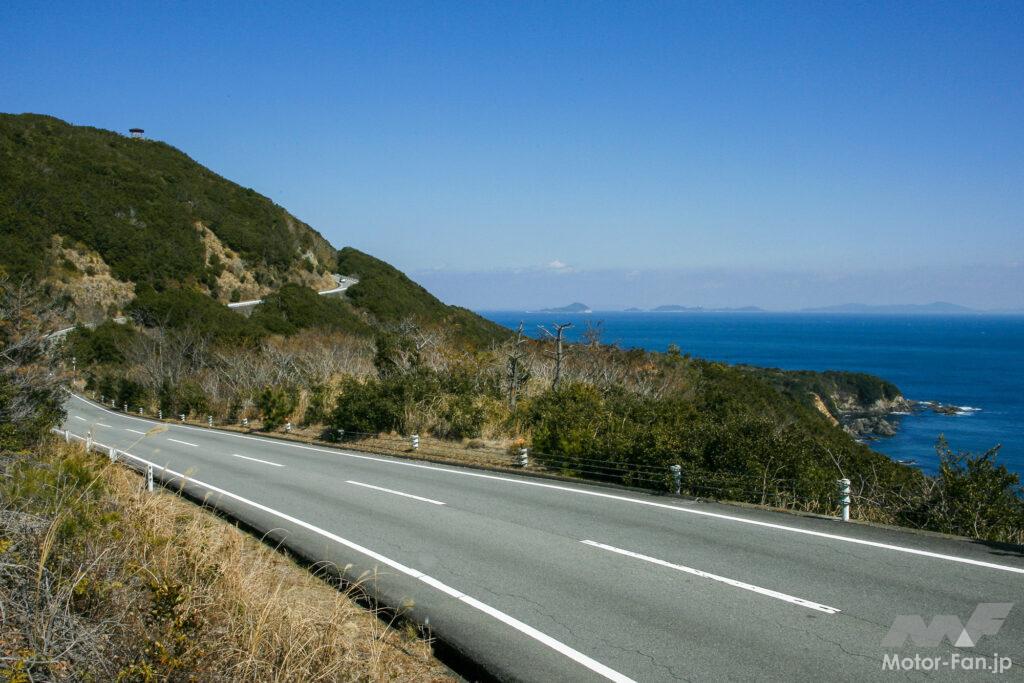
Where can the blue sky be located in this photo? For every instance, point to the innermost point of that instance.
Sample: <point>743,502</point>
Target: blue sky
<point>509,153</point>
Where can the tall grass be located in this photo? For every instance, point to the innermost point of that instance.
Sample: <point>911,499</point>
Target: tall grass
<point>102,581</point>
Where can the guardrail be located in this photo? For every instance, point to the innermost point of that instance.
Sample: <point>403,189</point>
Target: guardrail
<point>113,453</point>
<point>342,282</point>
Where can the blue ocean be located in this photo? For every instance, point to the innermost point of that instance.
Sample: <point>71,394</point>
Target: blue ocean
<point>976,362</point>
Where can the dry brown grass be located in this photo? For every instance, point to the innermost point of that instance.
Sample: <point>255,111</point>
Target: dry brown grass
<point>102,581</point>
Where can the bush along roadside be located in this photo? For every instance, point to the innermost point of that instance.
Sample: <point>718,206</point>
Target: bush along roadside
<point>102,581</point>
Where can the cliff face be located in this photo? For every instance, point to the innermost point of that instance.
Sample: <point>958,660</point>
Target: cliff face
<point>862,404</point>
<point>863,420</point>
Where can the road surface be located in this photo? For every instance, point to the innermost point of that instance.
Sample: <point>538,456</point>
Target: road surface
<point>541,580</point>
<point>341,283</point>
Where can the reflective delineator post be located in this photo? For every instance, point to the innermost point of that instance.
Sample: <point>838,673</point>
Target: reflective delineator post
<point>112,454</point>
<point>140,410</point>
<point>88,443</point>
<point>126,407</point>
<point>160,413</point>
<point>341,435</point>
<point>245,422</point>
<point>209,420</point>
<point>415,442</point>
<point>182,416</point>
<point>677,478</point>
<point>288,427</point>
<point>844,498</point>
<point>523,458</point>
<point>149,477</point>
<point>67,436</point>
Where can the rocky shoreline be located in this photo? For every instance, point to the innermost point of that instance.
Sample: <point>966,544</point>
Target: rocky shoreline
<point>881,419</point>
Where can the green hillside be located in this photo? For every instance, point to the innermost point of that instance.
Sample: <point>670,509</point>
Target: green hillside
<point>136,203</point>
<point>136,226</point>
<point>389,296</point>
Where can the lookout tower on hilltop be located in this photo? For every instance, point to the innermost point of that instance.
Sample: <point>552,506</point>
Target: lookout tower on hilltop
<point>136,132</point>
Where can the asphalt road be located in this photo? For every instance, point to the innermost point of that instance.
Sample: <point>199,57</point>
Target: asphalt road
<point>541,580</point>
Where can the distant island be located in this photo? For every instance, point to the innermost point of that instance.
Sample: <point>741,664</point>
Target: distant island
<point>576,307</point>
<point>675,308</point>
<point>935,308</point>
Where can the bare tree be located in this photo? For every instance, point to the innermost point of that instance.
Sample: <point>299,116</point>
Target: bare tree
<point>30,385</point>
<point>559,353</point>
<point>421,338</point>
<point>515,372</point>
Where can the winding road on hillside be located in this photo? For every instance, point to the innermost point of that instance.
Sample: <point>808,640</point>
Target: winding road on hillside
<point>342,283</point>
<point>542,580</point>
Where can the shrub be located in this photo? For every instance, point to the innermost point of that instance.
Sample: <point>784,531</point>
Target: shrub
<point>318,409</point>
<point>394,354</point>
<point>104,344</point>
<point>368,407</point>
<point>276,404</point>
<point>461,417</point>
<point>189,309</point>
<point>121,390</point>
<point>972,496</point>
<point>294,307</point>
<point>566,421</point>
<point>187,397</point>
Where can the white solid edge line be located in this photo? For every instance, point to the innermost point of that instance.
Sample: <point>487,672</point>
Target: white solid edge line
<point>721,579</point>
<point>611,496</point>
<point>560,647</point>
<point>184,443</point>
<point>134,431</point>
<point>397,493</point>
<point>265,462</point>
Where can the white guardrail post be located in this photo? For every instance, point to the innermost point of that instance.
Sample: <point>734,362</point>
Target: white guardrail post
<point>149,478</point>
<point>245,422</point>
<point>182,416</point>
<point>288,427</point>
<point>67,436</point>
<point>523,460</point>
<point>415,442</point>
<point>844,498</point>
<point>677,478</point>
<point>112,454</point>
<point>209,420</point>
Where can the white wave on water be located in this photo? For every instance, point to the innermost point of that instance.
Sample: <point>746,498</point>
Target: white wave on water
<point>901,412</point>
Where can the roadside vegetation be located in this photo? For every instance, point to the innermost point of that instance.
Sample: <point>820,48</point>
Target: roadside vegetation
<point>102,581</point>
<point>598,412</point>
